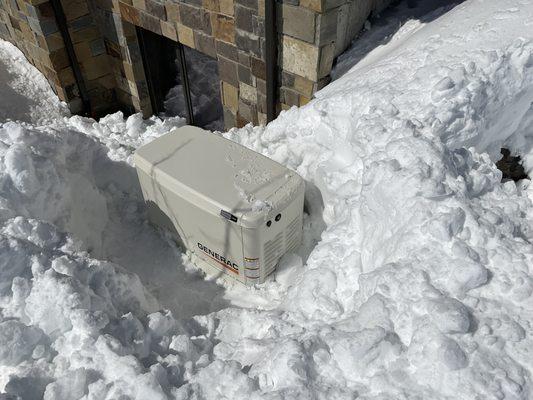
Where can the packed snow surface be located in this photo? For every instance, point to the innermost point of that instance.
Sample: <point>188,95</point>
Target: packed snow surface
<point>414,281</point>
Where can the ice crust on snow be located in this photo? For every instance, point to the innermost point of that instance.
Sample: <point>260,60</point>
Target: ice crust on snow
<point>414,280</point>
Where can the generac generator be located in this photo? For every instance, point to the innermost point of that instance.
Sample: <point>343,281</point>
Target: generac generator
<point>236,210</point>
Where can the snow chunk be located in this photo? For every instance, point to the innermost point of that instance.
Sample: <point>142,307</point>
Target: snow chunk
<point>17,341</point>
<point>19,166</point>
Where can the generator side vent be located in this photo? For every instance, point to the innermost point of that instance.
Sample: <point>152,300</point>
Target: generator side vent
<point>292,234</point>
<point>273,250</point>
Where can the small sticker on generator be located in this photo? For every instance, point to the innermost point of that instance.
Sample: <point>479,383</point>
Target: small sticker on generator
<point>228,215</point>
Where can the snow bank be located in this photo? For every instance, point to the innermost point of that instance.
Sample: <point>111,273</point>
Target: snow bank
<point>26,95</point>
<point>420,286</point>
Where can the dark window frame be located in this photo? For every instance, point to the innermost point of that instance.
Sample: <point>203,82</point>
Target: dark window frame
<point>156,96</point>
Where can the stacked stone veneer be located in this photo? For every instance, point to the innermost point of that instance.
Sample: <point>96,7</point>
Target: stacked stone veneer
<point>31,25</point>
<point>314,32</point>
<point>310,34</point>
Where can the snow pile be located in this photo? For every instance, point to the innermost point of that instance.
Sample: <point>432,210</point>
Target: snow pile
<point>122,136</point>
<point>26,96</point>
<point>420,286</point>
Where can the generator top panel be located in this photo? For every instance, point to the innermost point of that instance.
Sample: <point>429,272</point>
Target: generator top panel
<point>218,175</point>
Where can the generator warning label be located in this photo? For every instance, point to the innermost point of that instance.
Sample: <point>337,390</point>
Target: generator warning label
<point>223,261</point>
<point>251,268</point>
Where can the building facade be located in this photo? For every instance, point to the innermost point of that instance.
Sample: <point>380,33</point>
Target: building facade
<point>106,55</point>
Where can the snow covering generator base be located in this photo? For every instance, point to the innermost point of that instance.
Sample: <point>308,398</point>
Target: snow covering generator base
<point>237,210</point>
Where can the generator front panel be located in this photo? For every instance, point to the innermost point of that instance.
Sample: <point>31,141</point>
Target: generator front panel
<point>216,239</point>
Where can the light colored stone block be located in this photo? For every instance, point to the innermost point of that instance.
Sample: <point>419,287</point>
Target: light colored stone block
<point>230,96</point>
<point>315,5</point>
<point>342,41</point>
<point>212,5</point>
<point>168,29</point>
<point>185,35</point>
<point>115,6</point>
<point>327,53</point>
<point>248,93</point>
<point>304,100</point>
<point>300,58</point>
<point>298,22</point>
<point>226,7</point>
<point>172,11</point>
<point>128,71</point>
<point>261,118</point>
<point>303,86</point>
<point>22,6</point>
<point>223,27</point>
<point>140,4</point>
<point>132,87</point>
<point>248,112</point>
<point>327,27</point>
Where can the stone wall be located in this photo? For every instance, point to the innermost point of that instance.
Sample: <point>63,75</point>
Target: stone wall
<point>92,55</point>
<point>32,26</point>
<point>232,31</point>
<point>311,34</point>
<point>314,32</point>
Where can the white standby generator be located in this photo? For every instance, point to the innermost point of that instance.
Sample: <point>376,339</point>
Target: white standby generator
<point>237,210</point>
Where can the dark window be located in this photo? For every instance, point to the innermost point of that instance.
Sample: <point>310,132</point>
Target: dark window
<point>204,87</point>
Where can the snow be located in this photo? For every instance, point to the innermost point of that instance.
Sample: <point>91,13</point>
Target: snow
<point>22,101</point>
<point>414,280</point>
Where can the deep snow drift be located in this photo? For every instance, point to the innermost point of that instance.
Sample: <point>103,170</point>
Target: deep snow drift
<point>421,283</point>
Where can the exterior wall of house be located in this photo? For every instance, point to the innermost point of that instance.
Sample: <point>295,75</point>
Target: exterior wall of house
<point>231,31</point>
<point>311,34</point>
<point>314,32</point>
<point>92,54</point>
<point>32,27</point>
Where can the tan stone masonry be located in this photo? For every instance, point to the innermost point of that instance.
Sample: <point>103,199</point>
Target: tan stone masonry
<point>311,33</point>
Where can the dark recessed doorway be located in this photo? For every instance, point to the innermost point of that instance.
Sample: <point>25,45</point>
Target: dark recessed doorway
<point>181,81</point>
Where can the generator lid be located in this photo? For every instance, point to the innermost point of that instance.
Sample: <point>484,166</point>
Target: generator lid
<point>219,175</point>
